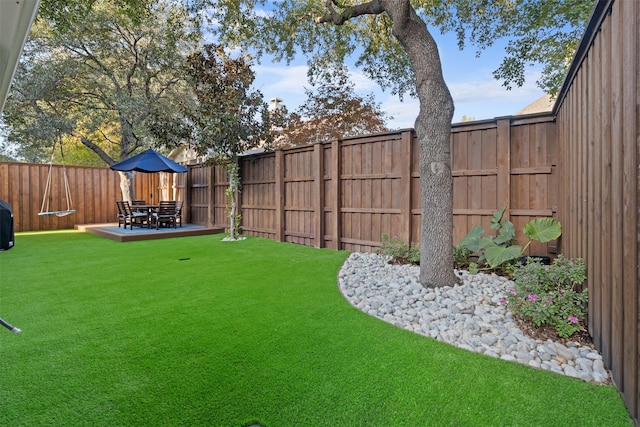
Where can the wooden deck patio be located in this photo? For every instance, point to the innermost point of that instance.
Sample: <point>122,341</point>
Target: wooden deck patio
<point>119,234</point>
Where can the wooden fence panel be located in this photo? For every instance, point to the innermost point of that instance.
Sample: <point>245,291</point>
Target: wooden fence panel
<point>299,196</point>
<point>505,162</point>
<point>346,194</point>
<point>374,183</point>
<point>220,185</point>
<point>598,136</point>
<point>258,196</point>
<point>474,170</point>
<point>199,195</point>
<point>93,194</point>
<point>531,177</point>
<point>329,195</point>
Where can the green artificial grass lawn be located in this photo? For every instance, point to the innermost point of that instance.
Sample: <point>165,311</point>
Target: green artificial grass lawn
<point>196,331</point>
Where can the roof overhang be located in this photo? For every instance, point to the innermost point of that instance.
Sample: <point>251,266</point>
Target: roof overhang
<point>16,17</point>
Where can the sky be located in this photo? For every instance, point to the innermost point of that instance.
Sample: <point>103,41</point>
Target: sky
<point>470,79</point>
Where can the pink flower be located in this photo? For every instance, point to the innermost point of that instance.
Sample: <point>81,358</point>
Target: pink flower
<point>573,319</point>
<point>533,297</point>
<point>503,301</point>
<point>513,292</point>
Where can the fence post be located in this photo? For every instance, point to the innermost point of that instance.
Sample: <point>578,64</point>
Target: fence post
<point>211,195</point>
<point>318,191</point>
<point>279,196</point>
<point>336,167</point>
<point>187,183</point>
<point>503,178</point>
<point>405,172</point>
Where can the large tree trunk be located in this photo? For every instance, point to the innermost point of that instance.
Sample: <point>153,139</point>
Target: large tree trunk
<point>433,129</point>
<point>128,144</point>
<point>126,185</point>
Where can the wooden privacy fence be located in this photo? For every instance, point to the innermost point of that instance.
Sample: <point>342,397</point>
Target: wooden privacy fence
<point>94,192</point>
<point>347,193</point>
<point>598,119</point>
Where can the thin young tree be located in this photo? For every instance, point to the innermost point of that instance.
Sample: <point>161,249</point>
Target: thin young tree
<point>228,117</point>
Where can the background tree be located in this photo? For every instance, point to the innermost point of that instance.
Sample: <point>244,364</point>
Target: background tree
<point>333,110</point>
<point>396,49</point>
<point>102,77</point>
<point>228,117</point>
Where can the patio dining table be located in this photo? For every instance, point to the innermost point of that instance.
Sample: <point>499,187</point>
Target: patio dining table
<point>150,209</point>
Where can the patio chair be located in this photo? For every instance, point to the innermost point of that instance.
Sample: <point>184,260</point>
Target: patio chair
<point>127,216</point>
<point>122,214</point>
<point>179,204</point>
<point>166,214</point>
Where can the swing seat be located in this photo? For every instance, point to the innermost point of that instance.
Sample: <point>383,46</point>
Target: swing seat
<point>58,213</point>
<point>44,209</point>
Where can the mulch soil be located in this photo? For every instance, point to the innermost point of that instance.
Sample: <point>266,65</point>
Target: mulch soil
<point>582,337</point>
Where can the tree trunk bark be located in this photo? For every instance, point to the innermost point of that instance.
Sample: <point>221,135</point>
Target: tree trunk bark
<point>433,129</point>
<point>126,185</point>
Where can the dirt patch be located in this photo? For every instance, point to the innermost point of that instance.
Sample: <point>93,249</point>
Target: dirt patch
<point>543,333</point>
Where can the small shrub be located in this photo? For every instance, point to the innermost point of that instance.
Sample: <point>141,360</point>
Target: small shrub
<point>461,257</point>
<point>399,251</point>
<point>547,295</point>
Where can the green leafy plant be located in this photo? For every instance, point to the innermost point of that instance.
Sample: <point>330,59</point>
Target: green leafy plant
<point>500,251</point>
<point>461,257</point>
<point>399,251</point>
<point>548,294</point>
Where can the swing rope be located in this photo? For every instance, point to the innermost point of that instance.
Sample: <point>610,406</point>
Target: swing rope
<point>46,199</point>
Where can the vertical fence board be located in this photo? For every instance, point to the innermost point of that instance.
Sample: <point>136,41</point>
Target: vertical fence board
<point>631,136</point>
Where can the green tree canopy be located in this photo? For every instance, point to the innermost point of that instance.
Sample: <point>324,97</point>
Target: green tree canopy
<point>228,116</point>
<point>536,32</point>
<point>100,76</point>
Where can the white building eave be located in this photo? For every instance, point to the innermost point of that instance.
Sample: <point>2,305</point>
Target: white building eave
<point>16,17</point>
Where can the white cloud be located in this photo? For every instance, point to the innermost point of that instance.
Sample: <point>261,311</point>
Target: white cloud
<point>280,81</point>
<point>487,98</point>
<point>404,112</point>
<point>361,82</point>
<point>476,94</point>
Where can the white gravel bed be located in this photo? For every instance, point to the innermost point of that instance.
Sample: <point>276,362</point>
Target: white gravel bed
<point>468,316</point>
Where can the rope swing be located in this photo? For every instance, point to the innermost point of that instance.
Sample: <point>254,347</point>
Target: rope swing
<point>46,199</point>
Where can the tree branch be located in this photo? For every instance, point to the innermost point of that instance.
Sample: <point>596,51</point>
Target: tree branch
<point>94,147</point>
<point>373,7</point>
